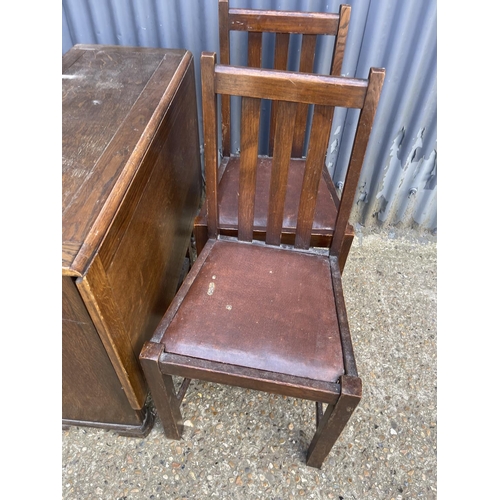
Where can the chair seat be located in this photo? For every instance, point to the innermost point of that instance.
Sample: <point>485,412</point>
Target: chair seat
<point>243,321</point>
<point>326,210</point>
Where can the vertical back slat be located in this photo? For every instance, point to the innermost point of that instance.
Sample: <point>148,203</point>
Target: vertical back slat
<point>209,100</point>
<point>320,135</point>
<point>240,19</point>
<point>285,119</point>
<point>250,117</point>
<point>340,40</point>
<point>367,115</point>
<point>280,63</point>
<point>254,49</point>
<point>306,66</point>
<point>224,59</point>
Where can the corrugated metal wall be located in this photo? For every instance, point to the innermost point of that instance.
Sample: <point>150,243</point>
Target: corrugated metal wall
<point>398,184</point>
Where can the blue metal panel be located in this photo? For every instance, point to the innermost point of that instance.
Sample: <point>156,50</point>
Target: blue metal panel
<point>67,41</point>
<point>404,136</point>
<point>398,184</point>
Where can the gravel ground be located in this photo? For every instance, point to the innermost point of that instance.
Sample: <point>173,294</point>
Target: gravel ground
<point>243,444</point>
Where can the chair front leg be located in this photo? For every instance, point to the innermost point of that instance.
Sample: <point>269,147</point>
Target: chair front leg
<point>344,251</point>
<point>335,418</point>
<point>162,390</point>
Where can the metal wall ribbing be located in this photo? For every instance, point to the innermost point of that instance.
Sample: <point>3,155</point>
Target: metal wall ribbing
<point>398,184</point>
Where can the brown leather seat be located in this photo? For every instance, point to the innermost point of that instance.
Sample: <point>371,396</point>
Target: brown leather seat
<point>262,310</point>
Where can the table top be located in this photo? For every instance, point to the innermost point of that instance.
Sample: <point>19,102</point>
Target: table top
<point>113,100</point>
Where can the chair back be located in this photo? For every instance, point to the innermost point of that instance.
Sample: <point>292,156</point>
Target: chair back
<point>283,23</point>
<point>287,90</point>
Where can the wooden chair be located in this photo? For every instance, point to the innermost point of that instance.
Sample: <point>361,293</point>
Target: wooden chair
<point>261,315</point>
<point>283,23</point>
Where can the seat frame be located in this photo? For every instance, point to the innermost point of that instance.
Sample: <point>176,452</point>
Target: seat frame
<point>342,395</point>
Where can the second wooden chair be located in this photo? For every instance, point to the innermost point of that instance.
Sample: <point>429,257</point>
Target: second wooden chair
<point>310,25</point>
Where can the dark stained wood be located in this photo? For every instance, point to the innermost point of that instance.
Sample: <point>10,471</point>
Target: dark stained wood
<point>249,378</point>
<point>349,232</point>
<point>313,23</point>
<point>224,59</point>
<point>347,349</point>
<point>269,84</point>
<point>320,134</point>
<point>277,192</point>
<point>163,391</point>
<point>275,281</point>
<point>183,389</point>
<point>282,23</point>
<point>306,66</point>
<point>253,314</point>
<point>366,118</point>
<point>210,146</point>
<point>346,247</point>
<point>340,40</point>
<point>254,50</point>
<point>319,413</point>
<point>148,258</point>
<point>319,239</point>
<point>131,188</point>
<point>281,51</point>
<point>333,421</point>
<point>91,390</point>
<point>324,215</point>
<point>255,22</point>
<point>181,294</point>
<point>80,157</point>
<point>229,186</point>
<point>280,63</point>
<point>99,165</point>
<point>224,31</point>
<point>97,294</point>
<point>250,110</point>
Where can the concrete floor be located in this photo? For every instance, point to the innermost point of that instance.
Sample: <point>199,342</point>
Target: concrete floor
<point>242,444</point>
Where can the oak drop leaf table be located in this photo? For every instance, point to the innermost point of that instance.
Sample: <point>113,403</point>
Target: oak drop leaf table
<point>131,187</point>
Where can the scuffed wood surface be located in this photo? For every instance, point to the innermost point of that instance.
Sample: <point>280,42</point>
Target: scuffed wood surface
<point>111,105</point>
